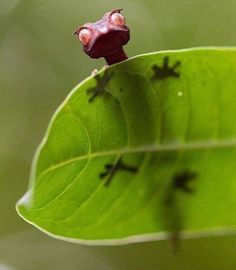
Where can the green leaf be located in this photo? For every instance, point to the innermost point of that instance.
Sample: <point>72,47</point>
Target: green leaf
<point>176,134</point>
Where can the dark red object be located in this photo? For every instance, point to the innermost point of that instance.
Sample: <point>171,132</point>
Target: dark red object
<point>105,38</point>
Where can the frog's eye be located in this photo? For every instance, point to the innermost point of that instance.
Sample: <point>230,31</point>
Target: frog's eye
<point>85,36</point>
<point>118,19</point>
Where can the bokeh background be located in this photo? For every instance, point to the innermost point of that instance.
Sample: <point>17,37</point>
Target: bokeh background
<point>40,62</point>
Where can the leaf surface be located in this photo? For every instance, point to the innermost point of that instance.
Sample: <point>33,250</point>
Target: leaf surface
<point>169,130</point>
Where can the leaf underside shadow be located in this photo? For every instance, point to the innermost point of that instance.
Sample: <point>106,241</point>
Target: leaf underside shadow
<point>178,131</point>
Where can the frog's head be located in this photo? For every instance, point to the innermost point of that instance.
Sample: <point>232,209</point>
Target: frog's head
<point>104,37</point>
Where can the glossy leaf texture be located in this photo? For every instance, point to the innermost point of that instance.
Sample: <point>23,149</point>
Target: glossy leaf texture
<point>144,150</point>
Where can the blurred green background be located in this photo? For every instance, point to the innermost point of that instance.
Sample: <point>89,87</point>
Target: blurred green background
<point>40,62</point>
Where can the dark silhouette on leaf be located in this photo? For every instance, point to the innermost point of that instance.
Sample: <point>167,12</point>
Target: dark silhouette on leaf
<point>181,180</point>
<point>112,169</point>
<point>165,70</point>
<point>100,88</point>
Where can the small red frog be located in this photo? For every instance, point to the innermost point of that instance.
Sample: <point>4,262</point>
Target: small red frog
<point>105,38</point>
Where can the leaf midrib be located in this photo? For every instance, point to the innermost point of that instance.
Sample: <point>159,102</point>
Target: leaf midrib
<point>197,145</point>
